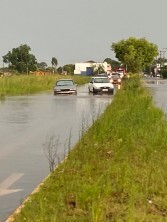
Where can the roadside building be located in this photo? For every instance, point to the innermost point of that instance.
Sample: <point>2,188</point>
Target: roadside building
<point>87,68</point>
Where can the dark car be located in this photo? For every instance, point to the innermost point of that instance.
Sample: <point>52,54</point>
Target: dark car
<point>65,86</point>
<point>115,78</point>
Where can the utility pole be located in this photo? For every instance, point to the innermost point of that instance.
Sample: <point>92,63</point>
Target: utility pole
<point>27,68</point>
<point>162,57</point>
<point>164,60</point>
<point>165,49</point>
<point>3,67</point>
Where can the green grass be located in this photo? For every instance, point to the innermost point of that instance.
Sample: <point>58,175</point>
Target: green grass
<point>28,84</point>
<point>116,172</point>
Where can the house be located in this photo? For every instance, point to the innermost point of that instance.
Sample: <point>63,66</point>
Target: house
<point>87,68</point>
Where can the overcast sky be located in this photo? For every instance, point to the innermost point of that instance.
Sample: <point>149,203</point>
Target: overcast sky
<point>79,30</point>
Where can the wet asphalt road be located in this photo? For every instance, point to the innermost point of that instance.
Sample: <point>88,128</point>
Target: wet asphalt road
<point>26,124</point>
<point>158,88</point>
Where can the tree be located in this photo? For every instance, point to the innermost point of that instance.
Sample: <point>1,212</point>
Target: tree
<point>112,62</point>
<point>135,54</point>
<point>54,63</point>
<point>42,65</point>
<point>69,68</point>
<point>20,59</point>
<point>98,68</point>
<point>59,69</point>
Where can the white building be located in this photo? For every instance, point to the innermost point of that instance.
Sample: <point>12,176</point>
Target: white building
<point>87,68</point>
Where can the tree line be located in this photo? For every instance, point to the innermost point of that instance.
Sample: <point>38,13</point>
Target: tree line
<point>134,54</point>
<point>21,60</point>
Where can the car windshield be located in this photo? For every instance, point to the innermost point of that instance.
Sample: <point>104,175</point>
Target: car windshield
<point>65,83</point>
<point>120,71</point>
<point>101,80</point>
<point>115,75</point>
<point>102,75</point>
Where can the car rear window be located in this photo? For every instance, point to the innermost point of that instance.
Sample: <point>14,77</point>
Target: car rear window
<point>101,80</point>
<point>65,83</point>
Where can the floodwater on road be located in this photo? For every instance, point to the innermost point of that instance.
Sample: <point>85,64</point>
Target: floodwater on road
<point>158,88</point>
<point>28,122</point>
<point>26,125</point>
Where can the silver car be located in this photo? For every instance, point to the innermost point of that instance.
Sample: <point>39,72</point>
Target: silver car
<point>65,86</point>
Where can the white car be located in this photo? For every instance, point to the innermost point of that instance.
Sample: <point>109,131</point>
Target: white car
<point>100,84</point>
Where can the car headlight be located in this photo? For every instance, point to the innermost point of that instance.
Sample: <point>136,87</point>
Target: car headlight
<point>119,80</point>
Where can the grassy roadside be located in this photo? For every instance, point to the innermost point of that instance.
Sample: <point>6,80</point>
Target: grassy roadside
<point>116,172</point>
<point>28,84</point>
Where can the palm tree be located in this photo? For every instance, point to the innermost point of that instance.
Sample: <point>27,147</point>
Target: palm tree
<point>54,63</point>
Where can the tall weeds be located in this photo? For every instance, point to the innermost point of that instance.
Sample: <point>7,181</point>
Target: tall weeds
<point>27,84</point>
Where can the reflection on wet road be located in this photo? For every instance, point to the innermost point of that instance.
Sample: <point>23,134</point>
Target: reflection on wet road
<point>25,124</point>
<point>158,88</point>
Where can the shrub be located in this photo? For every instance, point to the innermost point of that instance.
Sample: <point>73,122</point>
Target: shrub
<point>164,73</point>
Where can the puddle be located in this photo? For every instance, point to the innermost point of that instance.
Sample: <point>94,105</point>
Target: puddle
<point>155,82</point>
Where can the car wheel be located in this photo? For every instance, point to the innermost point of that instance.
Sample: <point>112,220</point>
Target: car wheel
<point>94,91</point>
<point>111,91</point>
<point>54,93</point>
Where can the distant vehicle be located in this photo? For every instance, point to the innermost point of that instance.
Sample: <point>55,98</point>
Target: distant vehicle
<point>100,84</point>
<point>115,78</point>
<point>65,86</point>
<point>102,74</point>
<point>121,71</point>
<point>145,75</point>
<point>158,75</point>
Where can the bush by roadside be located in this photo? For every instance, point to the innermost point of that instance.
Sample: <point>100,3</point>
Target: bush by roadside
<point>116,172</point>
<point>164,73</point>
